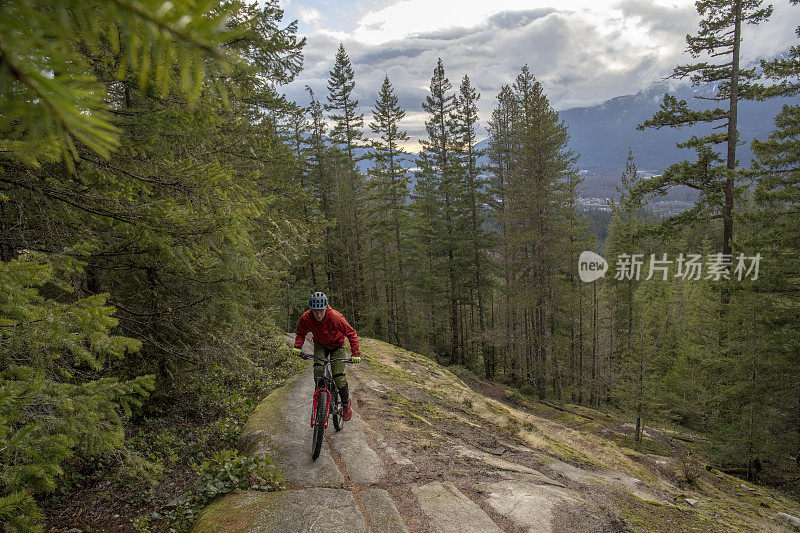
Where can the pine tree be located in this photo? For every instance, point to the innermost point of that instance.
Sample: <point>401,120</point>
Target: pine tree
<point>465,118</point>
<point>428,281</point>
<point>542,165</point>
<point>533,199</point>
<point>186,228</point>
<point>719,36</point>
<point>48,410</point>
<point>776,196</point>
<point>501,149</point>
<point>774,218</point>
<point>389,210</point>
<point>320,158</point>
<point>41,113</point>
<point>347,135</point>
<point>621,247</point>
<point>438,167</point>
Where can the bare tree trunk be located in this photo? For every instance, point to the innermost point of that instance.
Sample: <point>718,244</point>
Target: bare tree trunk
<point>572,363</point>
<point>556,368</point>
<point>751,424</point>
<point>580,344</point>
<point>593,388</point>
<point>541,349</point>
<point>640,400</point>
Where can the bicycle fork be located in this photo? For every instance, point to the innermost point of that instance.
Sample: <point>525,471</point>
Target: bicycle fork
<point>327,406</point>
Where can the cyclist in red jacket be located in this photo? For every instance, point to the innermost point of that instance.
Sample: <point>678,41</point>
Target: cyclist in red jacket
<point>329,328</point>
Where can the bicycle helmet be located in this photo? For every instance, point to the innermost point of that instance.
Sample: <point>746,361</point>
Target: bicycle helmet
<point>318,301</point>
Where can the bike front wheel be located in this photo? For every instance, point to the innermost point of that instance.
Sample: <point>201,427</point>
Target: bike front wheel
<point>319,425</point>
<point>336,411</point>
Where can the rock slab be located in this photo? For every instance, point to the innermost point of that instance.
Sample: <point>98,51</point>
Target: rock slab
<point>382,513</point>
<point>449,511</point>
<point>319,510</point>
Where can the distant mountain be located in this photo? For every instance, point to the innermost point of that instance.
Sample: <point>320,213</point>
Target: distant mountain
<point>602,134</point>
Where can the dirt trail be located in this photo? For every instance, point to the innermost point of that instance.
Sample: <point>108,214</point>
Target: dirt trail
<point>424,452</point>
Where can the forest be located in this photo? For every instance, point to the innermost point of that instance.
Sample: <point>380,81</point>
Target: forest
<point>165,212</point>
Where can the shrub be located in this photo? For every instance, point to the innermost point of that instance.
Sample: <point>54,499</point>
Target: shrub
<point>226,471</point>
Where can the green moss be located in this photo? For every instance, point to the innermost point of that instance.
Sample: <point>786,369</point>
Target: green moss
<point>228,514</point>
<point>570,455</point>
<point>497,409</point>
<point>646,516</point>
<point>394,374</point>
<point>647,445</point>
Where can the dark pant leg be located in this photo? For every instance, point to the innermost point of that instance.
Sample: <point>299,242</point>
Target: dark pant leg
<point>339,377</point>
<point>319,351</point>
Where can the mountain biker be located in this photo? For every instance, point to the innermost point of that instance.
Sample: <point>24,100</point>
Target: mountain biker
<point>329,328</point>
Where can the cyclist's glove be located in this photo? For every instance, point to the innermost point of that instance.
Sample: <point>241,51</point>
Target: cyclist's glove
<point>297,351</point>
<point>356,359</point>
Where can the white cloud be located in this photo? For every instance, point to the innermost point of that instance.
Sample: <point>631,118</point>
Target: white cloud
<point>309,15</point>
<point>583,52</point>
<point>409,17</point>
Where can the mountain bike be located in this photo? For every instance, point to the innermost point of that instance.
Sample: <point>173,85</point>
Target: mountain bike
<point>326,401</point>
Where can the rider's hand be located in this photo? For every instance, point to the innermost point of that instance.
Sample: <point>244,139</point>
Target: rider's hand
<point>356,359</point>
<point>297,351</point>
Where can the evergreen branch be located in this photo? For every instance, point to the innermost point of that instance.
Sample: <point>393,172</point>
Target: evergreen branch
<point>676,113</point>
<point>160,313</point>
<point>187,37</point>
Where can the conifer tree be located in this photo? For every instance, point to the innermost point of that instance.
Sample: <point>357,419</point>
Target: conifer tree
<point>438,166</point>
<point>184,229</point>
<point>388,205</point>
<point>501,149</point>
<point>622,247</point>
<point>720,35</point>
<point>534,198</point>
<point>319,158</point>
<point>465,118</point>
<point>346,135</point>
<point>43,113</point>
<point>775,216</point>
<point>428,280</point>
<point>538,178</point>
<point>775,219</point>
<point>49,411</point>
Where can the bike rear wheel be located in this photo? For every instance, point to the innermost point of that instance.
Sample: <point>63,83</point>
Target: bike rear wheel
<point>319,424</point>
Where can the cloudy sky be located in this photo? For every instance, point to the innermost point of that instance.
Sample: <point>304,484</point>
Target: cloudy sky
<point>582,51</point>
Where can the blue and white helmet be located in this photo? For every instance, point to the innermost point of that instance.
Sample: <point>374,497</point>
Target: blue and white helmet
<point>318,301</point>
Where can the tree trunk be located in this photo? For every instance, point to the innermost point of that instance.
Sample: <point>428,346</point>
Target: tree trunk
<point>733,137</point>
<point>593,388</point>
<point>580,344</point>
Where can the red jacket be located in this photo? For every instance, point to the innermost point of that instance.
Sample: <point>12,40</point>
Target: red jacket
<point>329,332</point>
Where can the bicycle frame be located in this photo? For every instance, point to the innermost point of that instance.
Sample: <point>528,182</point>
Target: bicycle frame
<point>325,384</point>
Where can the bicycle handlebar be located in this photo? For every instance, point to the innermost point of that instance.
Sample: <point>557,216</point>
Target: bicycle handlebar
<point>311,356</point>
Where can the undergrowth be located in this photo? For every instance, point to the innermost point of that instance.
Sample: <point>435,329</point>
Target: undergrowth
<point>179,459</point>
